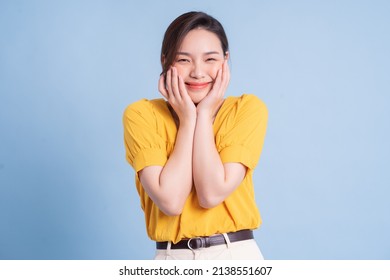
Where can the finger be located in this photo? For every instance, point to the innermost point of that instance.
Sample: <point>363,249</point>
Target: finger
<point>175,83</point>
<point>225,76</point>
<point>168,82</point>
<point>161,86</point>
<point>182,88</point>
<point>224,71</point>
<point>217,81</point>
<point>228,71</point>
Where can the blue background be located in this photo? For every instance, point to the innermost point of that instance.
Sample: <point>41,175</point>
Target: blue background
<point>68,69</point>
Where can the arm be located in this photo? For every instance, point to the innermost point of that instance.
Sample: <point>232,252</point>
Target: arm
<point>169,186</point>
<point>214,181</point>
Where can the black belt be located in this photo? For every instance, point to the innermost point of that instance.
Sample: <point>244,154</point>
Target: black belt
<point>207,241</point>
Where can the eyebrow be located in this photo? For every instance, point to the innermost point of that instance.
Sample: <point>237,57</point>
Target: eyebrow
<point>206,53</point>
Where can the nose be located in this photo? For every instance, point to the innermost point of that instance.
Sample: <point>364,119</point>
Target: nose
<point>197,71</point>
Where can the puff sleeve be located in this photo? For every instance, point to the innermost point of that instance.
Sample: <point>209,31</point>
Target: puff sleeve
<point>245,131</point>
<point>144,146</point>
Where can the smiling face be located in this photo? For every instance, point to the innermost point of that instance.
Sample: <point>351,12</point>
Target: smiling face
<point>198,60</point>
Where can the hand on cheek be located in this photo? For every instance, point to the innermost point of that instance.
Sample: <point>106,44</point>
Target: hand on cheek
<point>173,89</point>
<point>214,99</point>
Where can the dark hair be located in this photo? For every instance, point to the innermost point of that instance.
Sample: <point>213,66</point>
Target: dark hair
<point>180,27</point>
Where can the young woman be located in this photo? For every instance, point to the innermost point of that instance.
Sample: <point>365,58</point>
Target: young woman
<point>194,152</point>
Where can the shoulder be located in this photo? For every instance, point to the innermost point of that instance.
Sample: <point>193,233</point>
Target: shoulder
<point>143,107</point>
<point>247,104</point>
<point>251,100</point>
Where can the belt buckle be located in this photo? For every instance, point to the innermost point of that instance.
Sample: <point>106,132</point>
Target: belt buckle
<point>200,242</point>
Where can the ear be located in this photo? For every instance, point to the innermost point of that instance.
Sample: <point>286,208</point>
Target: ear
<point>227,55</point>
<point>163,59</point>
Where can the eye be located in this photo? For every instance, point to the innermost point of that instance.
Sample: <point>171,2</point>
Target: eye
<point>211,59</point>
<point>183,60</point>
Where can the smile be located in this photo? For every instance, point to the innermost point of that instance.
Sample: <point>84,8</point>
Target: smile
<point>197,86</point>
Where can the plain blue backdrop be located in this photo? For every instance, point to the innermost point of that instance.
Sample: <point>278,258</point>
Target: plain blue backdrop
<point>68,69</point>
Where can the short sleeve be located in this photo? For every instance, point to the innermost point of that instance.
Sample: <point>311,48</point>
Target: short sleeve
<point>144,146</point>
<point>243,139</point>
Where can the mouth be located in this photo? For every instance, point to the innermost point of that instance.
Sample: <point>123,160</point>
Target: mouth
<point>197,86</point>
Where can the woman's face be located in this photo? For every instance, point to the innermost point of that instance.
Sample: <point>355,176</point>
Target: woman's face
<point>198,60</point>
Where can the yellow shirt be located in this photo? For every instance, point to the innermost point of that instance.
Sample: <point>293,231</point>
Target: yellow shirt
<point>239,129</point>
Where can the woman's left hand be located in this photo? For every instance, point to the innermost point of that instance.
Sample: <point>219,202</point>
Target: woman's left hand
<point>214,99</point>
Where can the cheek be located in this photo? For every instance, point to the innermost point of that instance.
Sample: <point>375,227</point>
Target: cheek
<point>182,71</point>
<point>214,70</point>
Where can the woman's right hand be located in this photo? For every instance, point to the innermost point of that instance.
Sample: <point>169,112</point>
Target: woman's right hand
<point>172,87</point>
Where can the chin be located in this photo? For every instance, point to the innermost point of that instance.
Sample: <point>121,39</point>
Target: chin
<point>196,100</point>
<point>197,96</point>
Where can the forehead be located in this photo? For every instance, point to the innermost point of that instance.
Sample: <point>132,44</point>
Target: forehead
<point>200,40</point>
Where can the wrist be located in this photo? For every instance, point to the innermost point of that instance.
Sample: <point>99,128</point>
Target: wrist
<point>188,122</point>
<point>204,117</point>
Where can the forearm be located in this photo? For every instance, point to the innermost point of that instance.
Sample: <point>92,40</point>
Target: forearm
<point>208,170</point>
<point>175,181</point>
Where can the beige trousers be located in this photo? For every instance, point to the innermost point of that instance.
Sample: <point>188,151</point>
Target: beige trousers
<point>241,250</point>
